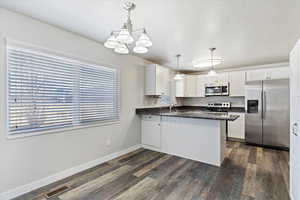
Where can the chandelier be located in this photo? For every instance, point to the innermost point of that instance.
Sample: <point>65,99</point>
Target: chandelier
<point>123,40</point>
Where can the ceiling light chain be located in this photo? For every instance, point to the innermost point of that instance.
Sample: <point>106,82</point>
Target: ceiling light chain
<point>122,40</point>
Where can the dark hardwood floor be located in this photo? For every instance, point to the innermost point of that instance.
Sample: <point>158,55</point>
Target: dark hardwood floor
<point>247,173</point>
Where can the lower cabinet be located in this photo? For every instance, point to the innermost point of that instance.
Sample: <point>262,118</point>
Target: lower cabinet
<point>151,133</point>
<point>236,129</point>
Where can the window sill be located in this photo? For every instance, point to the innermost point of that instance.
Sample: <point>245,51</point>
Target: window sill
<point>54,131</point>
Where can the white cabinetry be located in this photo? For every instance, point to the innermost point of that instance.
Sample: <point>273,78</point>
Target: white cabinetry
<point>180,87</point>
<point>267,74</point>
<point>237,83</point>
<point>278,73</point>
<point>256,75</point>
<point>157,80</point>
<point>219,79</point>
<point>200,85</point>
<point>151,134</point>
<point>236,129</point>
<point>190,86</point>
<point>295,122</point>
<point>197,139</point>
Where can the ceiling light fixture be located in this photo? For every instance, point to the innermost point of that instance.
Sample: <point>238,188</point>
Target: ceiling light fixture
<point>178,76</point>
<point>212,71</point>
<point>205,63</point>
<point>122,41</point>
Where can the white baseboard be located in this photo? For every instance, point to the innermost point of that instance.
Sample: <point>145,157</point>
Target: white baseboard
<point>61,175</point>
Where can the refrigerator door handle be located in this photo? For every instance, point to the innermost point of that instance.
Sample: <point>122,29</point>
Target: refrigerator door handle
<point>264,105</point>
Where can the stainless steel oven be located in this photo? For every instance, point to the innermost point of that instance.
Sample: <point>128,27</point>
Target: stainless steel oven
<point>217,89</point>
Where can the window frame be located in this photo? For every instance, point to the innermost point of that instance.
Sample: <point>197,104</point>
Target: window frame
<point>49,52</point>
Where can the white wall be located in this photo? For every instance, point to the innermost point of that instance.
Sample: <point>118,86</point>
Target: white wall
<point>29,159</point>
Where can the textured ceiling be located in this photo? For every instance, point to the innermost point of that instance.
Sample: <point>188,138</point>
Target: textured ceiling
<point>245,32</point>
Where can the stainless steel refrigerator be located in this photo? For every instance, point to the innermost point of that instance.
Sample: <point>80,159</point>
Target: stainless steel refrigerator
<point>268,113</point>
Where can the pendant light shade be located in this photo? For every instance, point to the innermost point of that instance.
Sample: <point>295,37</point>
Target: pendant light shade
<point>121,49</point>
<point>111,42</point>
<point>124,36</point>
<point>144,40</point>
<point>212,72</point>
<point>140,49</point>
<point>178,76</point>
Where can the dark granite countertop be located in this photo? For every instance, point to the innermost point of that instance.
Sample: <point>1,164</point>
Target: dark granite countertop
<point>188,112</point>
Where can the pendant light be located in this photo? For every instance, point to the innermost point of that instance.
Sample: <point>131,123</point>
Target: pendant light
<point>178,75</point>
<point>212,71</point>
<point>111,42</point>
<point>121,49</point>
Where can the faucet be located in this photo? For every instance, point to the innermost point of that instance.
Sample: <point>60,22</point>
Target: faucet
<point>170,107</point>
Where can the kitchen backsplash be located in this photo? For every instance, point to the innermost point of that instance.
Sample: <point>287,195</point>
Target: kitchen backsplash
<point>161,100</point>
<point>203,101</point>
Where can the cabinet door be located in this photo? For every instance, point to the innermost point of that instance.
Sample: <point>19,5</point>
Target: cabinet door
<point>222,78</point>
<point>190,86</point>
<point>267,74</point>
<point>151,130</point>
<point>162,80</point>
<point>236,129</point>
<point>278,73</point>
<point>150,80</point>
<point>296,132</point>
<point>294,72</point>
<point>256,75</point>
<point>180,85</point>
<point>237,83</point>
<point>295,177</point>
<point>295,151</point>
<point>212,80</point>
<point>295,123</point>
<point>200,85</point>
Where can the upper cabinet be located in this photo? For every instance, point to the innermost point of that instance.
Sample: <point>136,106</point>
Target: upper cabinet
<point>157,80</point>
<point>190,86</point>
<point>194,85</point>
<point>237,81</point>
<point>267,74</point>
<point>180,87</point>
<point>200,85</point>
<point>215,80</point>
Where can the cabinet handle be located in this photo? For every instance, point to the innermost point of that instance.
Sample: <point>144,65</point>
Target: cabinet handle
<point>295,127</point>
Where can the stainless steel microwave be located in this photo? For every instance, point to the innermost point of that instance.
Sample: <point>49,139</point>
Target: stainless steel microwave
<point>217,89</point>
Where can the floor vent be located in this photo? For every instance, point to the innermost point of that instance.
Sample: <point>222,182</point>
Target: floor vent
<point>57,191</point>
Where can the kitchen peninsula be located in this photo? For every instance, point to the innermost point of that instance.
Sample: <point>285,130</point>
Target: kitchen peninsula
<point>189,133</point>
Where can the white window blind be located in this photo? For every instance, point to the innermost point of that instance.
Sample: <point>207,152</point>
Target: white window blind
<point>48,92</point>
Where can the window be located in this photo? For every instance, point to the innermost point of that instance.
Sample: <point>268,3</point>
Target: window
<point>47,92</point>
